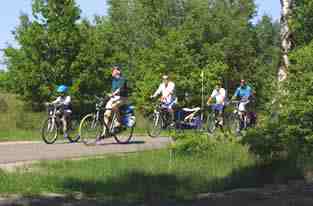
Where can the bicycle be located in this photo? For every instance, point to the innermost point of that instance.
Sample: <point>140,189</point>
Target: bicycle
<point>239,120</point>
<point>92,125</point>
<point>159,120</point>
<point>213,122</point>
<point>53,126</point>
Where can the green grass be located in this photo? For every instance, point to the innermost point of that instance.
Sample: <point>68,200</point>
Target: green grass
<point>16,121</point>
<point>135,177</point>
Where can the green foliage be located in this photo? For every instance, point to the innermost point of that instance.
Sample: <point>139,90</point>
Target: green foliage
<point>220,145</point>
<point>147,38</point>
<point>291,135</point>
<point>301,22</point>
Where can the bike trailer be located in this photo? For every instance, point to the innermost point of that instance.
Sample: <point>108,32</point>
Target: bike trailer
<point>188,118</point>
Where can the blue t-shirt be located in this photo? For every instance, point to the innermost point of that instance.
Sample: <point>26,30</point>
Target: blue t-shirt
<point>243,92</point>
<point>120,83</point>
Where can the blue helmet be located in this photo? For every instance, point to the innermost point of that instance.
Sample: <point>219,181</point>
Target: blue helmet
<point>62,89</point>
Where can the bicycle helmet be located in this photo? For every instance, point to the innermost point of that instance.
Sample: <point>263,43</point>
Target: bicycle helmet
<point>62,89</point>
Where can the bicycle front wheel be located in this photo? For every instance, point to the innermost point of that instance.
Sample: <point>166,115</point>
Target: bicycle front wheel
<point>234,123</point>
<point>154,125</point>
<point>90,129</point>
<point>123,133</point>
<point>49,131</point>
<point>211,124</point>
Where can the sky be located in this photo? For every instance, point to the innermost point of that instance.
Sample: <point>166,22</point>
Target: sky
<point>11,10</point>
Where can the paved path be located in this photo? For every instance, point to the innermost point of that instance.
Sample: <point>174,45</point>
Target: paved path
<point>34,151</point>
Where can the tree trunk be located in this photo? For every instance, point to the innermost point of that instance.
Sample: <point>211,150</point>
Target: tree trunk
<point>285,36</point>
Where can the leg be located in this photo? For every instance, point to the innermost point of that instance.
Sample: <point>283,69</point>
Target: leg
<point>107,115</point>
<point>64,122</point>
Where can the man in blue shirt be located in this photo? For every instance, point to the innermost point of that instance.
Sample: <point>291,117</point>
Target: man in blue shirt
<point>118,97</point>
<point>244,92</point>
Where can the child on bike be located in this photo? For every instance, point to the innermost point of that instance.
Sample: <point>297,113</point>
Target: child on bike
<point>64,104</point>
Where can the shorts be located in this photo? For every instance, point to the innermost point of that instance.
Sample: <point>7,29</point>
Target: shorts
<point>169,104</point>
<point>114,102</point>
<point>218,107</point>
<point>243,105</point>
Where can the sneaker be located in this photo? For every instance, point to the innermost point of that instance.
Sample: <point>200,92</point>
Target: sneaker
<point>172,124</point>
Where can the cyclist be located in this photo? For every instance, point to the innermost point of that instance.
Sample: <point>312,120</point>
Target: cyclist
<point>219,95</point>
<point>168,98</point>
<point>244,92</point>
<point>64,102</point>
<point>118,97</point>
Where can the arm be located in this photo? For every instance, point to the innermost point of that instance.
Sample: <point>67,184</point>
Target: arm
<point>223,94</point>
<point>56,101</point>
<point>212,96</point>
<point>67,100</point>
<point>158,91</point>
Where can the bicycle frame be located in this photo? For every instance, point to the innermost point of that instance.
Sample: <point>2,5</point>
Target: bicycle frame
<point>55,117</point>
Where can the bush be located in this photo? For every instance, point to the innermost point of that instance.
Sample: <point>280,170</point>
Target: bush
<point>200,144</point>
<point>3,105</point>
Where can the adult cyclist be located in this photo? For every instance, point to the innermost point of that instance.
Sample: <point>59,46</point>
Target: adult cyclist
<point>64,103</point>
<point>245,94</point>
<point>168,99</point>
<point>219,96</point>
<point>118,97</point>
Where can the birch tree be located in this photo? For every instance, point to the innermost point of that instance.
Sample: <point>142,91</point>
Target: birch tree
<point>285,35</point>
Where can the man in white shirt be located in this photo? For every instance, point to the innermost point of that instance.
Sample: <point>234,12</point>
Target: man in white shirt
<point>168,99</point>
<point>219,95</point>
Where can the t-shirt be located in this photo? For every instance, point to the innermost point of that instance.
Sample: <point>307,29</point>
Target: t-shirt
<point>167,90</point>
<point>121,84</point>
<point>243,92</point>
<point>219,95</point>
<point>63,100</point>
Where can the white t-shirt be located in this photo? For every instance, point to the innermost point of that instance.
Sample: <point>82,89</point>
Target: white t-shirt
<point>66,100</point>
<point>167,90</point>
<point>219,95</point>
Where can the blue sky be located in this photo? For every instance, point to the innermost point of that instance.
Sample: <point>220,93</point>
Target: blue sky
<point>10,11</point>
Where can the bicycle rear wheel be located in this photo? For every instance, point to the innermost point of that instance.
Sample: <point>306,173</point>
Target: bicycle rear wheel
<point>121,134</point>
<point>90,129</point>
<point>154,125</point>
<point>49,131</point>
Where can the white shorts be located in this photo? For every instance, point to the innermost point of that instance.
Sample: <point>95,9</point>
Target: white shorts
<point>169,103</point>
<point>112,101</point>
<point>242,106</point>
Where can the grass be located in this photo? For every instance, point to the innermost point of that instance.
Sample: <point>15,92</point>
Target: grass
<point>16,121</point>
<point>135,177</point>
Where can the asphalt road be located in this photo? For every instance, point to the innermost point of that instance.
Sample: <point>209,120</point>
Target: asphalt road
<point>18,152</point>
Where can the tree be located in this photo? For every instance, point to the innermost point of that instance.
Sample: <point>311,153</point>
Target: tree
<point>285,35</point>
<point>49,45</point>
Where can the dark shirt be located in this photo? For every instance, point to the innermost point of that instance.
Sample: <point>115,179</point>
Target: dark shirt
<point>120,83</point>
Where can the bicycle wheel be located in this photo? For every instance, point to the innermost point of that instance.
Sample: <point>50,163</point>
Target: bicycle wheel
<point>234,123</point>
<point>73,131</point>
<point>154,125</point>
<point>211,124</point>
<point>49,131</point>
<point>123,133</point>
<point>90,129</point>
